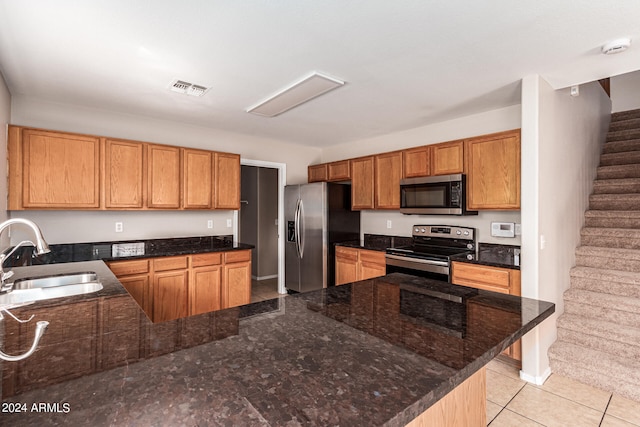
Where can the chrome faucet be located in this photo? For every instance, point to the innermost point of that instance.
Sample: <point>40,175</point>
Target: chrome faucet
<point>41,247</point>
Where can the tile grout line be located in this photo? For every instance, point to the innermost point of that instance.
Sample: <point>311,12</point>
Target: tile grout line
<point>605,410</point>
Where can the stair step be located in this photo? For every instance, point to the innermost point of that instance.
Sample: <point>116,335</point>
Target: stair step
<point>616,186</point>
<point>608,258</point>
<point>618,171</point>
<point>623,283</point>
<point>599,335</point>
<point>615,374</point>
<point>612,308</point>
<point>623,135</point>
<point>616,202</point>
<point>629,123</point>
<point>624,158</point>
<point>625,115</point>
<point>610,237</point>
<point>612,218</point>
<point>621,146</point>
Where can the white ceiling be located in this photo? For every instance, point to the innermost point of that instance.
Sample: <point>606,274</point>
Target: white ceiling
<point>406,63</point>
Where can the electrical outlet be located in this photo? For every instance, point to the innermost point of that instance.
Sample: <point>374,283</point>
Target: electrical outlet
<point>388,223</point>
<point>210,223</point>
<point>119,227</point>
<point>518,229</point>
<point>229,223</point>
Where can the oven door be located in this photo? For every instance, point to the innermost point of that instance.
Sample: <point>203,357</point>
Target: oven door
<point>430,268</point>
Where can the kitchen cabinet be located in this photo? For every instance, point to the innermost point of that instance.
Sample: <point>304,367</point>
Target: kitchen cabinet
<point>205,283</point>
<point>53,170</point>
<point>197,179</point>
<point>236,282</point>
<point>388,172</point>
<point>135,277</point>
<point>170,288</point>
<point>496,279</point>
<point>362,183</point>
<point>339,171</point>
<point>493,171</point>
<point>447,158</point>
<point>317,173</point>
<point>354,264</point>
<point>163,177</point>
<point>227,181</point>
<point>416,162</point>
<point>123,174</point>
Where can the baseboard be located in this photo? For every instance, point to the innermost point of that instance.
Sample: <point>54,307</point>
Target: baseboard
<point>537,380</point>
<point>258,278</point>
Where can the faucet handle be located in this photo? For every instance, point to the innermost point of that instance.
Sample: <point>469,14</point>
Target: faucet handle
<point>6,275</point>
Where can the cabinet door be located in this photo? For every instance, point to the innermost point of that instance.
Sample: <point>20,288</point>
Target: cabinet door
<point>227,182</point>
<point>346,265</point>
<point>197,181</point>
<point>339,171</point>
<point>163,177</point>
<point>388,172</point>
<point>205,289</point>
<point>481,277</point>
<point>416,162</point>
<point>123,170</point>
<point>317,173</point>
<point>236,289</point>
<point>60,170</point>
<point>447,158</point>
<point>138,288</point>
<point>493,171</point>
<point>170,295</point>
<point>372,264</point>
<point>362,195</point>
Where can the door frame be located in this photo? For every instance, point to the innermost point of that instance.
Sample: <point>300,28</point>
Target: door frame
<point>282,181</point>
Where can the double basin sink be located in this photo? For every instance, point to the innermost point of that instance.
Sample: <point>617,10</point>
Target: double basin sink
<point>48,287</point>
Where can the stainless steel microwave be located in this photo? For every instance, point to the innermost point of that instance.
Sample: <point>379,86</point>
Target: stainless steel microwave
<point>435,195</point>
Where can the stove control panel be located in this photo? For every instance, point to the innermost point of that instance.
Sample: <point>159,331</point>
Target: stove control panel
<point>445,231</point>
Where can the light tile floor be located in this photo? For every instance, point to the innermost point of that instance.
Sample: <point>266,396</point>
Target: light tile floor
<point>559,401</point>
<point>264,289</point>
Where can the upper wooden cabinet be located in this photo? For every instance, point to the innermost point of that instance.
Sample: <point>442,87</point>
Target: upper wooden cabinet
<point>417,162</point>
<point>388,172</point>
<point>51,170</point>
<point>59,170</point>
<point>339,171</point>
<point>447,158</point>
<point>123,174</point>
<point>362,188</point>
<point>227,180</point>
<point>197,179</point>
<point>317,173</point>
<point>493,171</point>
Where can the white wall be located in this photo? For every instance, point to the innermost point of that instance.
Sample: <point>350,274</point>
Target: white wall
<point>562,140</point>
<point>5,119</point>
<point>375,222</point>
<point>86,226</point>
<point>625,92</point>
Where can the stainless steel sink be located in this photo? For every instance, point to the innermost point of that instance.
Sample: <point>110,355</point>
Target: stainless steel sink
<point>48,287</point>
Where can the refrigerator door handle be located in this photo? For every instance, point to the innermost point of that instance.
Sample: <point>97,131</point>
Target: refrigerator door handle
<point>301,228</point>
<point>296,219</point>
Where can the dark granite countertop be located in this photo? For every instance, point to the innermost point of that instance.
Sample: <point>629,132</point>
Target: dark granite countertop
<point>493,255</point>
<point>378,242</point>
<point>375,352</point>
<point>76,252</point>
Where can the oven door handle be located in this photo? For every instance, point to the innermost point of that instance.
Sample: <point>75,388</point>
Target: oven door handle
<point>418,260</point>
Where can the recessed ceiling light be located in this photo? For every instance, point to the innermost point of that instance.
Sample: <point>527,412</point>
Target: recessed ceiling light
<point>295,94</point>
<point>187,88</point>
<point>616,46</point>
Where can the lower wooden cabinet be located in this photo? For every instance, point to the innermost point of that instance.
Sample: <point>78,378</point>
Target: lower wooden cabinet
<point>354,264</point>
<point>169,288</point>
<point>496,279</point>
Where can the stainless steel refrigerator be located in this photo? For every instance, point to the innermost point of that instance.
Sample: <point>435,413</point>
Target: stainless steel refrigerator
<point>317,216</point>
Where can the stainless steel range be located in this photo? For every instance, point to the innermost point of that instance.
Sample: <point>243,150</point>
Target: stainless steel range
<point>430,253</point>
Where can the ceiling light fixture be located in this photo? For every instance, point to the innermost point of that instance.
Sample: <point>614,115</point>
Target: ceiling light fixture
<point>616,46</point>
<point>295,94</point>
<point>187,88</point>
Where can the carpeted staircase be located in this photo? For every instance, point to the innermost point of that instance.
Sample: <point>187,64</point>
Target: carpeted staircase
<point>599,332</point>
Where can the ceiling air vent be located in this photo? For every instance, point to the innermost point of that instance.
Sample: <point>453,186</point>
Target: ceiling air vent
<point>187,88</point>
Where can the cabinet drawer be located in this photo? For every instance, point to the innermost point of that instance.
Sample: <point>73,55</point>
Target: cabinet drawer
<point>480,276</point>
<point>237,256</point>
<point>127,268</point>
<point>170,263</point>
<point>375,257</point>
<point>202,260</point>
<point>347,253</point>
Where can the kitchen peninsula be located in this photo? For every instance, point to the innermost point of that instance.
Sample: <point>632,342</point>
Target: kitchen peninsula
<point>376,352</point>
